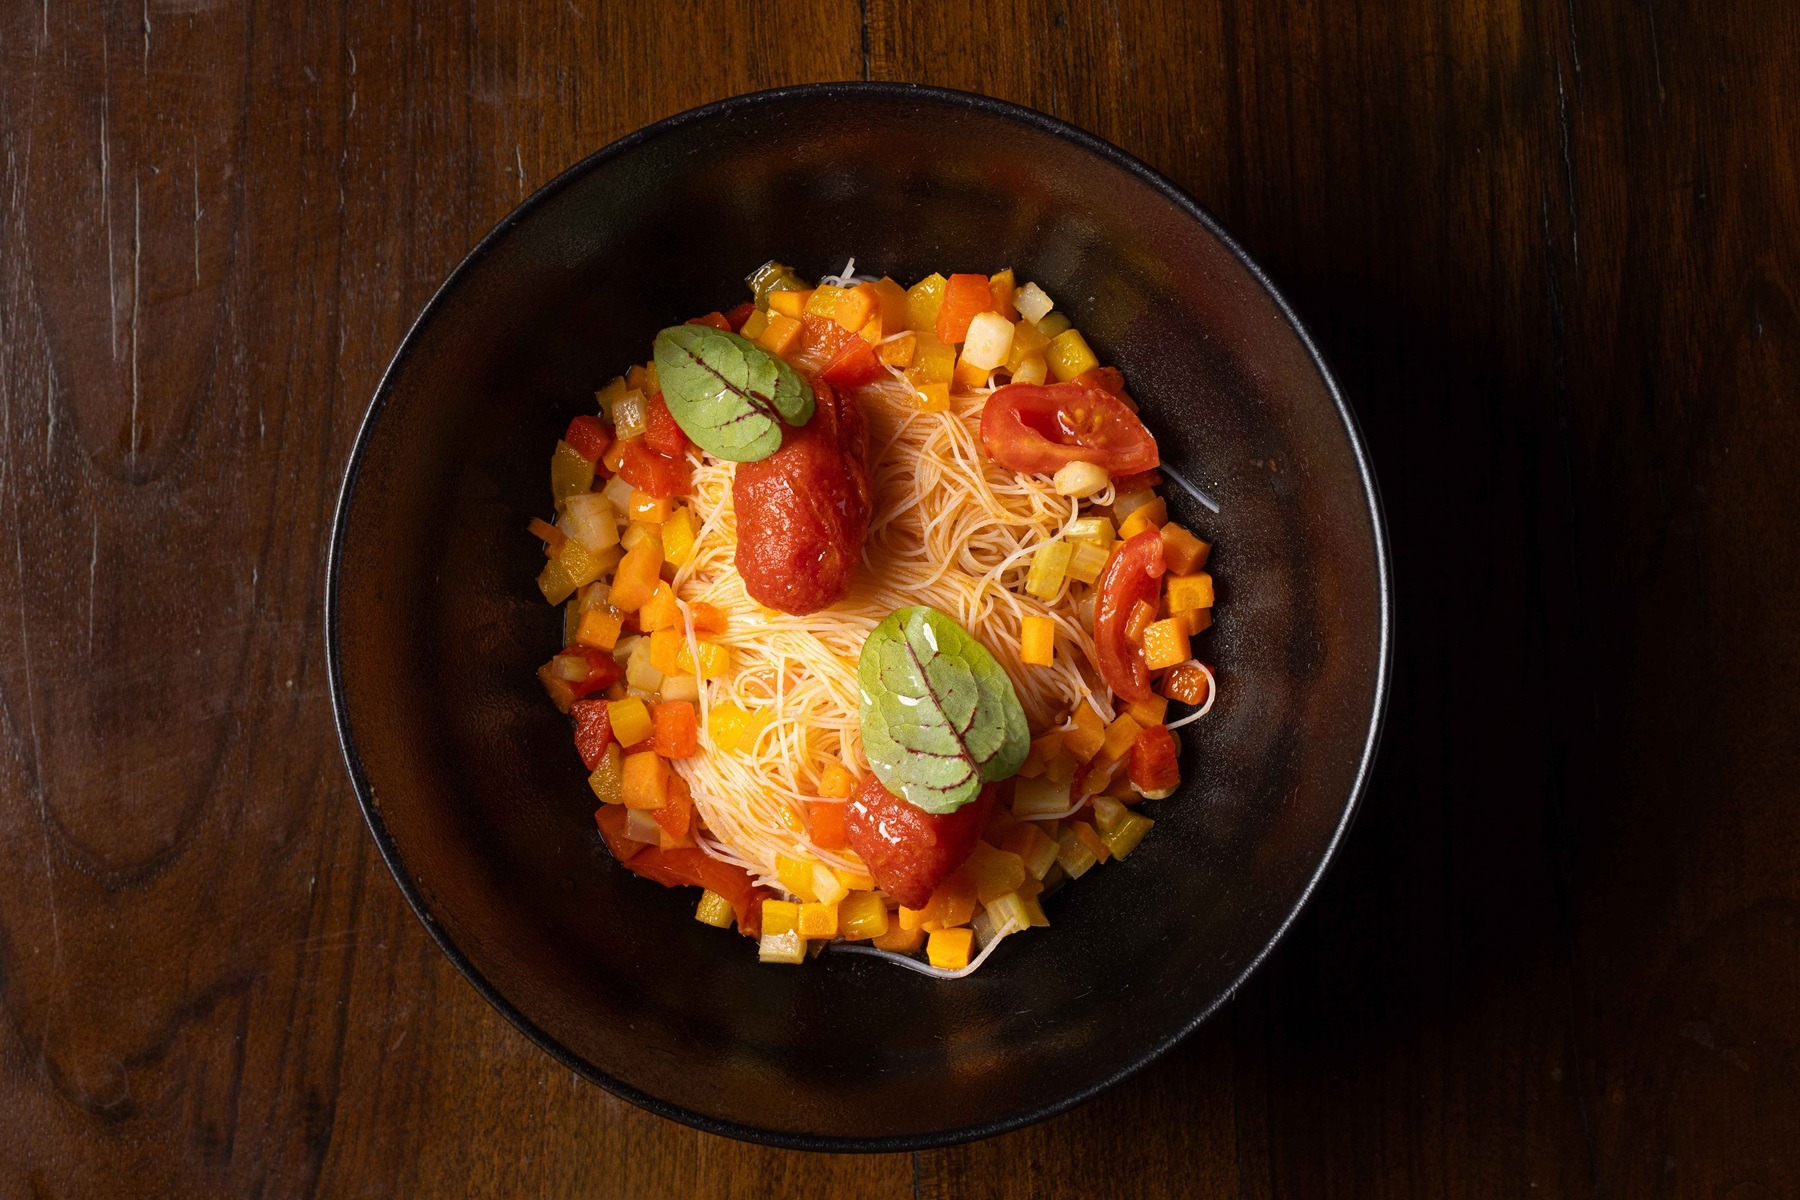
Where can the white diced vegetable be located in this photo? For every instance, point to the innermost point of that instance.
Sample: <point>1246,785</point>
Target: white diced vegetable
<point>1032,303</point>
<point>618,493</point>
<point>1130,502</point>
<point>631,414</point>
<point>1080,479</point>
<point>988,341</point>
<point>680,687</point>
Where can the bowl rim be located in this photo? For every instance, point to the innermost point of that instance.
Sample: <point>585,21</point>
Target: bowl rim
<point>371,811</point>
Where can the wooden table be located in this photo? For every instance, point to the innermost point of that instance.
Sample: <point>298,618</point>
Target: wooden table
<point>1552,252</point>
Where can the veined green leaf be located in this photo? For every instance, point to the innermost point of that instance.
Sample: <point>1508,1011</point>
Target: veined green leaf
<point>727,393</point>
<point>940,718</point>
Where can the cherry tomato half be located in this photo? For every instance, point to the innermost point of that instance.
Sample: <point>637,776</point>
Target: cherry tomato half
<point>1133,573</point>
<point>1041,428</point>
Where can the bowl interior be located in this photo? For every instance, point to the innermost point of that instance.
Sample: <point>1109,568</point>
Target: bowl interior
<point>469,775</point>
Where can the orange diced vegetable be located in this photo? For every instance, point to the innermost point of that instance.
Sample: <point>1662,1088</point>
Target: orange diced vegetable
<point>645,782</point>
<point>659,611</point>
<point>630,720</point>
<point>675,729</point>
<point>952,904</point>
<point>1195,620</point>
<point>899,352</point>
<point>836,781</point>
<point>890,299</point>
<point>825,822</point>
<point>1143,613</point>
<point>1182,551</point>
<point>1088,735</point>
<point>638,574</point>
<point>1185,592</point>
<point>862,915</point>
<point>734,729</point>
<point>1034,848</point>
<point>818,920</point>
<point>676,817</point>
<point>789,303</point>
<point>796,875</point>
<point>932,397</point>
<point>1165,645</point>
<point>1002,288</point>
<point>707,618</point>
<point>949,948</point>
<point>550,535</point>
<point>1187,684</point>
<point>652,510</point>
<point>855,306</point>
<point>665,650</point>
<point>1043,749</point>
<point>599,628</point>
<point>782,331</point>
<point>964,296</point>
<point>1119,736</point>
<point>899,939</point>
<point>1149,516</point>
<point>1149,711</point>
<point>611,819</point>
<point>969,375</point>
<point>1037,641</point>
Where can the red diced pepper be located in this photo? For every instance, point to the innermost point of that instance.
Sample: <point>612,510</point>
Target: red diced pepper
<point>737,316</point>
<point>593,729</point>
<point>589,436</point>
<point>661,433</point>
<point>657,474</point>
<point>853,365</point>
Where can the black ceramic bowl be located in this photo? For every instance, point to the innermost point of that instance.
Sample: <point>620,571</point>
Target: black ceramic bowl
<point>467,775</point>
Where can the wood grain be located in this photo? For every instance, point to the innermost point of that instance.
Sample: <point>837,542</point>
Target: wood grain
<point>1551,249</point>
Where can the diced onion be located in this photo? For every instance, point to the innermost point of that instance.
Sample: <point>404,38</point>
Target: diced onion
<point>631,414</point>
<point>1032,303</point>
<point>988,341</point>
<point>617,493</point>
<point>680,687</point>
<point>1033,370</point>
<point>1123,506</point>
<point>1080,479</point>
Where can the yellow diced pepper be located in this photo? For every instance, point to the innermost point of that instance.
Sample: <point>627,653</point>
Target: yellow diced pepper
<point>665,650</point>
<point>1165,644</point>
<point>1028,342</point>
<point>659,611</point>
<point>871,331</point>
<point>995,872</point>
<point>715,660</point>
<point>1119,736</point>
<point>780,916</point>
<point>1037,641</point>
<point>1068,355</point>
<point>891,300</point>
<point>1048,566</point>
<point>852,881</point>
<point>1149,516</point>
<point>558,585</point>
<point>714,910</point>
<point>818,920</point>
<point>607,778</point>
<point>1088,735</point>
<point>796,875</point>
<point>734,729</point>
<point>949,948</point>
<point>583,565</point>
<point>1150,711</point>
<point>788,304</point>
<point>638,574</point>
<point>923,299</point>
<point>782,331</point>
<point>645,780</point>
<point>1052,324</point>
<point>933,362</point>
<point>862,915</point>
<point>900,352</point>
<point>599,628</point>
<point>824,300</point>
<point>753,327</point>
<point>1126,836</point>
<point>630,720</point>
<point>678,537</point>
<point>836,782</point>
<point>933,397</point>
<point>570,474</point>
<point>1185,592</point>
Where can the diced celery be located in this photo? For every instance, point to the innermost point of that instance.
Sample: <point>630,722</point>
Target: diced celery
<point>1073,856</point>
<point>1048,566</point>
<point>630,415</point>
<point>1032,370</point>
<point>714,910</point>
<point>1086,561</point>
<point>570,474</point>
<point>772,277</point>
<point>826,885</point>
<point>1040,797</point>
<point>640,672</point>
<point>787,947</point>
<point>1108,813</point>
<point>1124,839</point>
<point>1010,907</point>
<point>607,778</point>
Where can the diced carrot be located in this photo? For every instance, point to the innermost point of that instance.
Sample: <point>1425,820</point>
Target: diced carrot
<point>1189,591</point>
<point>825,822</point>
<point>835,781</point>
<point>964,296</point>
<point>1088,735</point>
<point>708,618</point>
<point>676,818</point>
<point>550,535</point>
<point>599,628</point>
<point>1195,620</point>
<point>1165,644</point>
<point>611,819</point>
<point>676,729</point>
<point>646,781</point>
<point>855,306</point>
<point>1002,288</point>
<point>949,948</point>
<point>899,939</point>
<point>1143,613</point>
<point>660,610</point>
<point>637,575</point>
<point>1148,711</point>
<point>1182,551</point>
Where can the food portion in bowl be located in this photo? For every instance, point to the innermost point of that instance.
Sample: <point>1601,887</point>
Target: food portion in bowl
<point>873,614</point>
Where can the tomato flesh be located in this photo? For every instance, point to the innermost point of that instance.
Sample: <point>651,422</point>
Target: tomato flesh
<point>1133,574</point>
<point>593,729</point>
<point>656,474</point>
<point>1155,760</point>
<point>661,433</point>
<point>1040,428</point>
<point>854,365</point>
<point>908,850</point>
<point>603,672</point>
